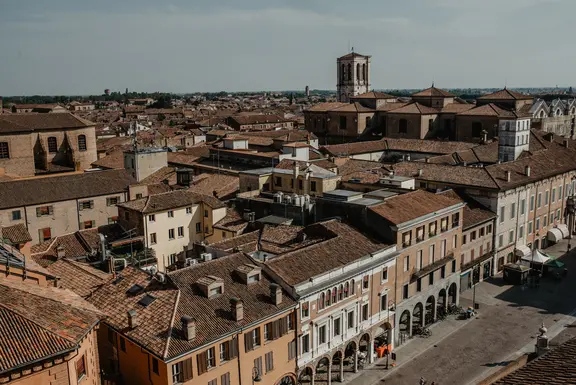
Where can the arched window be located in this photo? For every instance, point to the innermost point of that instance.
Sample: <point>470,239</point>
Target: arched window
<point>328,298</point>
<point>349,75</point>
<point>352,287</point>
<point>403,126</point>
<point>343,72</point>
<point>368,121</point>
<point>321,302</point>
<point>364,73</point>
<point>82,142</point>
<point>52,144</point>
<point>346,289</point>
<point>341,293</point>
<point>334,295</point>
<point>541,114</point>
<point>358,74</point>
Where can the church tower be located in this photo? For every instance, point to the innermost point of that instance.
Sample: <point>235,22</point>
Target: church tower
<point>353,76</point>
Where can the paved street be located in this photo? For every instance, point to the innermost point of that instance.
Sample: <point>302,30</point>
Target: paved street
<point>464,352</point>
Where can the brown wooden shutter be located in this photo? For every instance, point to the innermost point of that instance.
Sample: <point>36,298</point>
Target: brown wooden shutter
<point>284,325</point>
<point>248,341</point>
<point>276,330</point>
<point>187,369</point>
<point>234,348</point>
<point>202,366</point>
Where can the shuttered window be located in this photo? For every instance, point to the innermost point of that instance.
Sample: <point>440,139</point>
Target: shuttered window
<point>291,350</point>
<point>258,364</point>
<point>269,360</point>
<point>182,371</point>
<point>44,211</point>
<point>225,379</point>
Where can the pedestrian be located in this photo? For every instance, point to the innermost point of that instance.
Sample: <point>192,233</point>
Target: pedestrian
<point>422,381</point>
<point>433,383</point>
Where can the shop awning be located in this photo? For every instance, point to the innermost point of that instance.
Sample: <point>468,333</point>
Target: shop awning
<point>522,251</point>
<point>554,235</point>
<point>556,264</point>
<point>564,229</point>
<point>536,257</point>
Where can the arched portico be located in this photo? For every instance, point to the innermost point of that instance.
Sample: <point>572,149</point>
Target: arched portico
<point>322,371</point>
<point>417,317</point>
<point>453,294</point>
<point>441,303</point>
<point>404,327</point>
<point>430,311</point>
<point>306,376</point>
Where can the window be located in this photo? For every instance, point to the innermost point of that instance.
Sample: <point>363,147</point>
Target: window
<point>180,231</point>
<point>365,282</point>
<point>544,221</point>
<point>198,227</point>
<point>403,126</point>
<point>365,312</point>
<point>269,361</point>
<point>155,366</point>
<point>304,311</point>
<point>476,129</point>
<point>153,239</point>
<point>546,198</point>
<point>172,259</point>
<point>352,287</point>
<point>464,239</point>
<point>16,215</point>
<point>225,379</point>
<point>500,240</point>
<point>522,206</point>
<point>123,344</point>
<point>406,263</point>
<point>268,331</point>
<point>537,224</point>
<point>45,234</point>
<point>558,215</point>
<point>532,203</point>
<point>322,335</point>
<point>86,205</point>
<point>559,191</point>
<point>385,273</point>
<point>539,200</point>
<point>291,350</point>
<point>44,211</point>
<point>443,248</point>
<point>419,259</point>
<point>305,343</point>
<point>455,220</point>
<point>88,224</point>
<point>112,201</point>
<point>170,214</point>
<point>384,302</point>
<point>151,218</point>
<point>431,256</point>
<point>52,144</point>
<point>530,227</point>
<point>4,152</point>
<point>82,142</point>
<point>343,122</point>
<point>502,212</point>
<point>205,213</point>
<point>488,229</point>
<point>337,327</point>
<point>513,210</point>
<point>405,291</point>
<point>350,319</point>
<point>419,285</point>
<point>521,232</point>
<point>455,241</point>
<point>177,376</point>
<point>300,185</point>
<point>256,336</point>
<point>278,181</point>
<point>406,238</point>
<point>313,186</point>
<point>80,368</point>
<point>511,236</point>
<point>188,210</point>
<point>210,358</point>
<point>432,229</point>
<point>553,195</point>
<point>454,266</point>
<point>444,224</point>
<point>139,195</point>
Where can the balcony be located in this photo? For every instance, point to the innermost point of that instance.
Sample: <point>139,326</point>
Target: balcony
<point>432,267</point>
<point>407,243</point>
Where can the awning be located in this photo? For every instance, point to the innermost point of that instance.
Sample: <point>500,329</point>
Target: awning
<point>522,251</point>
<point>554,235</point>
<point>536,257</point>
<point>564,229</point>
<point>555,264</point>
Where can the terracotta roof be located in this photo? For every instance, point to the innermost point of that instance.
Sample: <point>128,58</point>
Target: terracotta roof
<point>38,122</point>
<point>406,207</point>
<point>492,109</point>
<point>232,221</point>
<point>159,176</point>
<point>16,234</point>
<point>353,107</point>
<point>433,92</point>
<point>356,165</point>
<point>338,245</point>
<point>275,239</point>
<point>474,212</point>
<point>427,146</point>
<point>258,119</point>
<point>415,108</point>
<point>81,278</point>
<point>184,159</point>
<point>505,94</point>
<point>34,191</point>
<point>111,161</point>
<point>456,108</point>
<point>328,106</point>
<point>557,367</point>
<point>391,106</point>
<point>373,95</point>
<point>170,200</point>
<point>222,186</point>
<point>457,175</point>
<point>77,244</point>
<point>355,148</point>
<point>288,164</point>
<point>38,323</point>
<point>352,55</point>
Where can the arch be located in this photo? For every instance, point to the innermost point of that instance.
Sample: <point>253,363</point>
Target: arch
<point>334,295</point>
<point>403,126</point>
<point>306,375</point>
<point>341,292</point>
<point>358,74</point>
<point>337,372</point>
<point>417,316</point>
<point>453,293</point>
<point>430,310</point>
<point>441,302</point>
<point>346,289</point>
<point>287,379</point>
<point>82,142</point>
<point>349,356</point>
<point>383,334</point>
<point>352,287</point>
<point>328,297</point>
<point>542,113</point>
<point>52,144</point>
<point>404,326</point>
<point>364,73</point>
<point>368,121</point>
<point>323,366</point>
<point>322,301</point>
<point>343,72</point>
<point>349,74</point>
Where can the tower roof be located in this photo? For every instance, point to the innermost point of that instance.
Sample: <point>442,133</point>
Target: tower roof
<point>353,55</point>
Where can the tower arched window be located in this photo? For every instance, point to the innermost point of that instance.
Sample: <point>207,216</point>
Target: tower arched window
<point>82,142</point>
<point>343,72</point>
<point>328,294</point>
<point>349,74</point>
<point>321,303</point>
<point>364,73</point>
<point>358,74</point>
<point>52,144</point>
<point>334,295</point>
<point>346,289</point>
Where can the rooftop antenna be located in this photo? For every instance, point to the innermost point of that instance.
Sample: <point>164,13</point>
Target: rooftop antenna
<point>349,49</point>
<point>505,83</point>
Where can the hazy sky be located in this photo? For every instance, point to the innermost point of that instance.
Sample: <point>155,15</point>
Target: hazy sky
<point>83,47</point>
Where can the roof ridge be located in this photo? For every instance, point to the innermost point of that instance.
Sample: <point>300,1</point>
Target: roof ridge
<point>172,323</point>
<point>77,265</point>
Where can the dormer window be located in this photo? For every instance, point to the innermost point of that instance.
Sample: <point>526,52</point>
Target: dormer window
<point>249,274</point>
<point>253,278</point>
<point>215,291</point>
<point>211,286</point>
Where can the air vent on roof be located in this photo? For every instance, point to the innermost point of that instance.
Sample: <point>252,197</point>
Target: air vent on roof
<point>147,300</point>
<point>118,280</point>
<point>135,289</point>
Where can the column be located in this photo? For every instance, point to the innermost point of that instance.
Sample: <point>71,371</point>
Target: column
<point>370,356</point>
<point>330,372</point>
<point>356,361</point>
<point>342,367</point>
<point>410,325</point>
<point>312,377</point>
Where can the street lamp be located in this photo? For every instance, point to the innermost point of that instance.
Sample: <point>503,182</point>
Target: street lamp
<point>255,375</point>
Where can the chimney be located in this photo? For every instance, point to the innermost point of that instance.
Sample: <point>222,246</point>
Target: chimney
<point>419,172</point>
<point>276,294</point>
<point>566,143</point>
<point>484,136</point>
<point>132,319</point>
<point>60,252</point>
<point>188,327</point>
<point>508,176</point>
<point>527,170</point>
<point>237,307</point>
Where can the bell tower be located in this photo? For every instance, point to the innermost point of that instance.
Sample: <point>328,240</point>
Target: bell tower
<point>353,72</point>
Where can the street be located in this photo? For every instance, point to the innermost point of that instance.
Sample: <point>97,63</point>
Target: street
<point>464,352</point>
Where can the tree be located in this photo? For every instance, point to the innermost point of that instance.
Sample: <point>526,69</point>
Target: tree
<point>164,101</point>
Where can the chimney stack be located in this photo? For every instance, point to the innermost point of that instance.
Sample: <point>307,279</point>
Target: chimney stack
<point>527,170</point>
<point>484,136</point>
<point>237,307</point>
<point>61,253</point>
<point>188,327</point>
<point>132,319</point>
<point>508,176</point>
<point>566,142</point>
<point>276,294</point>
<point>419,172</point>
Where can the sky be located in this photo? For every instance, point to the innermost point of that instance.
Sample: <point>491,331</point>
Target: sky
<point>80,47</point>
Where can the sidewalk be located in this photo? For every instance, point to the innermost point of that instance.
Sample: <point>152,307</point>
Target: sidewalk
<point>376,372</point>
